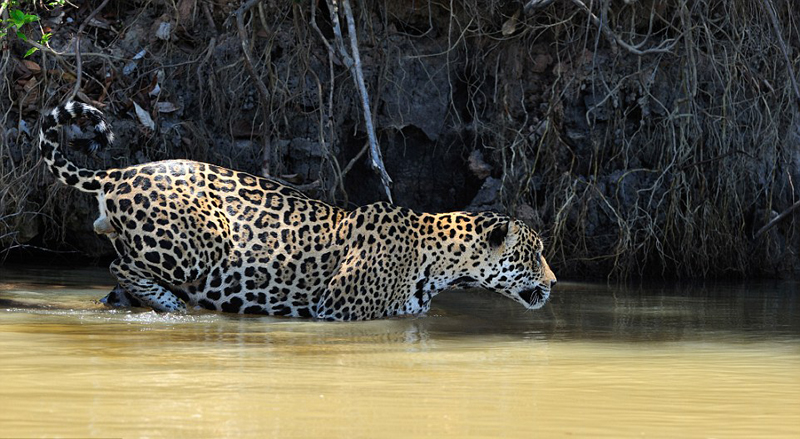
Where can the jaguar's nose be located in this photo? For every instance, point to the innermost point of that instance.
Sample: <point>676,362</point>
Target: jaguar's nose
<point>553,283</point>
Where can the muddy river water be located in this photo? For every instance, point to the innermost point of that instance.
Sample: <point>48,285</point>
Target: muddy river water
<point>704,360</point>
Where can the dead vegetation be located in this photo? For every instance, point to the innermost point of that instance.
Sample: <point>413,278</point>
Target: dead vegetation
<point>692,148</point>
<point>640,136</point>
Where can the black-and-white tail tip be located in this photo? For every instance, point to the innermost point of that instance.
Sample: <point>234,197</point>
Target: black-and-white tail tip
<point>50,145</point>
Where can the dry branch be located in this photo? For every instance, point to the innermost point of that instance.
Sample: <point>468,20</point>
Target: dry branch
<point>776,220</point>
<point>664,47</point>
<point>78,58</point>
<point>353,62</point>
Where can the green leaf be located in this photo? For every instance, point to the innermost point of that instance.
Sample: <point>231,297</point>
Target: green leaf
<point>30,51</point>
<point>46,38</point>
<point>29,18</point>
<point>16,17</point>
<point>21,36</point>
<point>19,18</point>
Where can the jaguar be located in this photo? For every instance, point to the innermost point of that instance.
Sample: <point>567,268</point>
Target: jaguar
<point>195,234</point>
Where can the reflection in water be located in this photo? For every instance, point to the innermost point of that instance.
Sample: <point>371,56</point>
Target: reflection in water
<point>599,361</point>
<point>751,311</point>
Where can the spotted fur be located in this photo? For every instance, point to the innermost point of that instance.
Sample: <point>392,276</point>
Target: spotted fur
<point>190,232</point>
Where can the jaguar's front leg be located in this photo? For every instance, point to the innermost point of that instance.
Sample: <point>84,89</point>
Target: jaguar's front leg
<point>119,298</point>
<point>143,287</point>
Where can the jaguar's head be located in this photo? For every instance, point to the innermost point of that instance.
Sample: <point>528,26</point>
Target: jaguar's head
<point>515,266</point>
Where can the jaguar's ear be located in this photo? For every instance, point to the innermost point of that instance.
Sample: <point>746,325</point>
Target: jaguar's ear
<point>498,234</point>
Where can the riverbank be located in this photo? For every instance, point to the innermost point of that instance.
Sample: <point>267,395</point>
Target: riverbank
<point>641,138</point>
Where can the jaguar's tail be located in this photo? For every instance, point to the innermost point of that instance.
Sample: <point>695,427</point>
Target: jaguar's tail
<point>50,145</point>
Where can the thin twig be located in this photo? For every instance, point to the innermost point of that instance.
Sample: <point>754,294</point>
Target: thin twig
<point>328,119</point>
<point>202,78</point>
<point>36,247</point>
<point>263,93</point>
<point>212,45</point>
<point>78,58</point>
<point>248,60</point>
<point>777,28</point>
<point>60,55</point>
<point>209,51</point>
<point>715,159</point>
<point>536,4</point>
<point>354,160</point>
<point>209,18</point>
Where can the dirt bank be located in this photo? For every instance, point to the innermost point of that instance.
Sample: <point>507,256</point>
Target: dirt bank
<point>640,137</point>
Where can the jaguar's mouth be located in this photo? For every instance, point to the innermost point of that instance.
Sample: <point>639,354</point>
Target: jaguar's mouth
<point>533,298</point>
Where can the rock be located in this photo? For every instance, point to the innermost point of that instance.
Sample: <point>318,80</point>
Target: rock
<point>15,152</point>
<point>243,144</point>
<point>416,94</point>
<point>27,228</point>
<point>305,157</point>
<point>305,148</point>
<point>529,216</point>
<point>576,135</point>
<point>541,62</point>
<point>487,197</point>
<point>478,166</point>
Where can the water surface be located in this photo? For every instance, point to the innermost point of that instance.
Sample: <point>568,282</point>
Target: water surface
<point>713,360</point>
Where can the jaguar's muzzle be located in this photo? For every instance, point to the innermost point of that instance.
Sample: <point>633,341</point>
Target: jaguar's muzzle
<point>533,298</point>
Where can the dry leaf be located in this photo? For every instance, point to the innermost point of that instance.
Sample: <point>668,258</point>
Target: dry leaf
<point>185,8</point>
<point>166,107</point>
<point>100,22</point>
<point>510,26</point>
<point>29,85</point>
<point>144,117</point>
<point>66,76</point>
<point>164,30</point>
<point>93,102</point>
<point>31,92</point>
<point>131,65</point>
<point>32,66</point>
